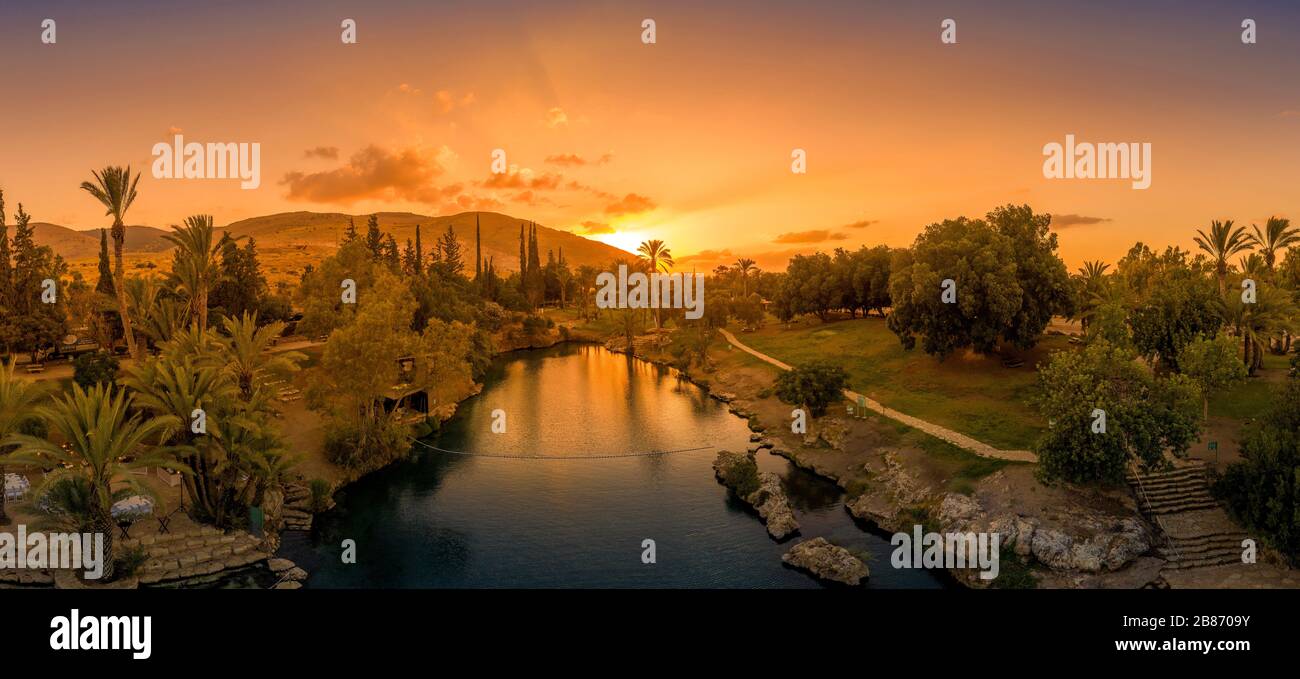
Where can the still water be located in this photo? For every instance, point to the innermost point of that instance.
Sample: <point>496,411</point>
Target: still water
<point>445,520</point>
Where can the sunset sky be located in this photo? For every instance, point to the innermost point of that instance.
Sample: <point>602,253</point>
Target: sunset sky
<point>687,140</point>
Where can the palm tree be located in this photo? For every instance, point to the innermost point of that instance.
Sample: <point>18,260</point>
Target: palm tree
<point>1256,323</point>
<point>657,254</point>
<point>1254,265</point>
<point>102,437</point>
<point>196,268</point>
<point>1091,286</point>
<point>247,356</point>
<point>744,265</point>
<point>17,401</point>
<point>1277,234</point>
<point>1222,243</point>
<point>115,189</point>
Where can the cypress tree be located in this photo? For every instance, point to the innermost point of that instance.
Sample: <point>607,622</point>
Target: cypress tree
<point>374,238</point>
<point>478,249</point>
<point>523,264</point>
<point>105,284</point>
<point>419,252</point>
<point>6,268</point>
<point>350,234</point>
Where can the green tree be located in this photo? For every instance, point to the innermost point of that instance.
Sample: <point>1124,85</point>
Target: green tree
<point>105,283</point>
<point>815,385</point>
<point>1212,363</point>
<point>115,190</point>
<point>1144,416</point>
<point>981,264</point>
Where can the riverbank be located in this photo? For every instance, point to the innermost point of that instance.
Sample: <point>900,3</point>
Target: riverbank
<point>896,477</point>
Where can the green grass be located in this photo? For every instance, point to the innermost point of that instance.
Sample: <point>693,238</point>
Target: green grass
<point>1253,397</point>
<point>976,396</point>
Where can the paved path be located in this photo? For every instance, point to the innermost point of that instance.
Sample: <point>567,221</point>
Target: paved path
<point>960,440</point>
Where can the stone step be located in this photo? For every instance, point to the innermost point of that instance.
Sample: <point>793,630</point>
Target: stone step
<point>1233,537</point>
<point>211,566</point>
<point>1163,486</point>
<point>1181,494</point>
<point>1191,472</point>
<point>1204,562</point>
<point>1175,507</point>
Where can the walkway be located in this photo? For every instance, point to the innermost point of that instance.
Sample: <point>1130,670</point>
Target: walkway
<point>960,440</point>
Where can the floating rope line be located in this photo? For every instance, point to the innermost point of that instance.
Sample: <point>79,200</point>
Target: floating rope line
<point>606,456</point>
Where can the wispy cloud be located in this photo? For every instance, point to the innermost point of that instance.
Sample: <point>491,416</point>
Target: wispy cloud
<point>861,224</point>
<point>326,152</point>
<point>630,204</point>
<point>374,173</point>
<point>1064,221</point>
<point>811,236</point>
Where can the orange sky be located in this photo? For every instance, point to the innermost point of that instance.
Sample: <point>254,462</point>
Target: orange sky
<point>687,140</point>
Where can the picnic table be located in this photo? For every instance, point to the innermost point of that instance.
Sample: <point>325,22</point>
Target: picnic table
<point>16,486</point>
<point>129,510</point>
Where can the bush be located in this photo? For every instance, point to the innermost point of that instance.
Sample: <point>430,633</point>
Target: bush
<point>129,561</point>
<point>93,368</point>
<point>365,446</point>
<point>1263,490</point>
<point>742,477</point>
<point>815,384</point>
<point>320,495</point>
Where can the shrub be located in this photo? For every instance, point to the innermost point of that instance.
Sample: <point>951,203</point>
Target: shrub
<point>129,561</point>
<point>320,495</point>
<point>94,367</point>
<point>1263,489</point>
<point>815,384</point>
<point>742,476</point>
<point>365,445</point>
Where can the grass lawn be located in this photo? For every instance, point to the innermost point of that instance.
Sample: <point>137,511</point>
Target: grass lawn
<point>971,394</point>
<point>1253,397</point>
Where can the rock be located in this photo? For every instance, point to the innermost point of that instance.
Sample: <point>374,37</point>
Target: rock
<point>724,396</point>
<point>279,565</point>
<point>1053,548</point>
<point>957,508</point>
<point>773,506</point>
<point>288,584</point>
<point>1024,543</point>
<point>755,437</point>
<point>827,561</point>
<point>295,574</point>
<point>1129,543</point>
<point>726,460</point>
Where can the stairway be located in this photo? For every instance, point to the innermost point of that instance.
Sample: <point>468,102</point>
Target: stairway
<point>297,507</point>
<point>192,552</point>
<point>1206,550</point>
<point>1182,489</point>
<point>1196,532</point>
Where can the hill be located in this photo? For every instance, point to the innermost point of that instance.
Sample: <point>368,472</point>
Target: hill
<point>288,241</point>
<point>75,244</point>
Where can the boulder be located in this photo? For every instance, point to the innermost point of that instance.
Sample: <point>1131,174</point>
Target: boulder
<point>827,561</point>
<point>772,504</point>
<point>279,565</point>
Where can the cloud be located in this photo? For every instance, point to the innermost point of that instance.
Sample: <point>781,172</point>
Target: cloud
<point>594,228</point>
<point>706,256</point>
<point>555,117</point>
<point>374,173</point>
<point>448,101</point>
<point>575,160</point>
<point>1289,113</point>
<point>523,178</point>
<point>405,88</point>
<point>812,236</point>
<point>862,224</point>
<point>629,205</point>
<point>326,152</point>
<point>1063,221</point>
<point>173,131</point>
